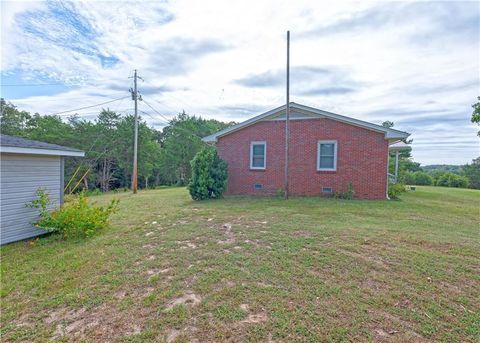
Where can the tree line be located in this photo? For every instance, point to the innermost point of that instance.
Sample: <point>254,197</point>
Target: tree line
<point>163,155</point>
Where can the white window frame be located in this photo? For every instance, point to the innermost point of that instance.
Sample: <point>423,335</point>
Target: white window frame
<point>335,144</point>
<point>264,143</point>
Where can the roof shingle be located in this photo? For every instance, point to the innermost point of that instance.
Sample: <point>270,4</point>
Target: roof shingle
<point>18,142</point>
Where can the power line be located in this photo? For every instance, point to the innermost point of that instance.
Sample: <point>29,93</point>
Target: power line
<point>190,132</point>
<point>157,112</point>
<point>83,108</point>
<point>174,98</point>
<point>154,118</point>
<point>34,84</point>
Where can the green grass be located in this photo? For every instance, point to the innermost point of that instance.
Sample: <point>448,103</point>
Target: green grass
<point>255,269</point>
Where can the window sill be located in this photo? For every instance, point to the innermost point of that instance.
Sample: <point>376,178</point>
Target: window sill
<point>326,171</point>
<point>257,169</point>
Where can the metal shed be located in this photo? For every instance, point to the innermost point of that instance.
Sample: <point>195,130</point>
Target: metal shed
<point>26,165</point>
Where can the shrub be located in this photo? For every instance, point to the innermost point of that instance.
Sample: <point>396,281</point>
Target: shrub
<point>209,175</point>
<point>77,218</point>
<point>348,195</point>
<point>395,189</point>
<point>452,180</point>
<point>422,178</point>
<point>417,178</point>
<point>408,178</point>
<point>280,193</point>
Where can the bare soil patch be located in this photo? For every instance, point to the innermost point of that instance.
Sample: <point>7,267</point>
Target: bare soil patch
<point>189,299</point>
<point>102,323</point>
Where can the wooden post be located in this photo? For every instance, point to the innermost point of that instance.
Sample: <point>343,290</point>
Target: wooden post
<point>135,138</point>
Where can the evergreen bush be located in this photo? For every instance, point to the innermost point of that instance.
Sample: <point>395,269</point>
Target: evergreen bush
<point>209,175</point>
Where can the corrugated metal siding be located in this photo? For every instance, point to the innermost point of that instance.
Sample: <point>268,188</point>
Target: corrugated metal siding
<point>20,177</point>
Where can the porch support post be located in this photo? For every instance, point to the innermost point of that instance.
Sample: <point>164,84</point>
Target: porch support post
<point>396,166</point>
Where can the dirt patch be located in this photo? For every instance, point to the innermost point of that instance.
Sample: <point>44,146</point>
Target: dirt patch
<point>101,323</point>
<point>259,243</point>
<point>172,335</point>
<point>153,272</point>
<point>393,327</point>
<point>263,222</point>
<point>229,236</point>
<point>186,333</point>
<point>226,241</point>
<point>190,281</point>
<point>149,246</point>
<point>301,233</point>
<point>186,245</point>
<point>255,318</point>
<point>120,294</point>
<point>189,299</point>
<point>373,258</point>
<point>64,314</point>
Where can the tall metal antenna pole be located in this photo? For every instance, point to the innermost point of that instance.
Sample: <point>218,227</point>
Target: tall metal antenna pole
<point>135,139</point>
<point>287,116</point>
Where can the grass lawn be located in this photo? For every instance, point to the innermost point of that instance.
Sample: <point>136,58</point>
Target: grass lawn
<point>255,269</point>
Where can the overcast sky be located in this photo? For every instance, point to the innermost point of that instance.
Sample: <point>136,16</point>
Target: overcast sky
<point>414,63</point>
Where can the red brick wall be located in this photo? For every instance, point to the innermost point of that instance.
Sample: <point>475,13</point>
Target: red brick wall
<point>361,158</point>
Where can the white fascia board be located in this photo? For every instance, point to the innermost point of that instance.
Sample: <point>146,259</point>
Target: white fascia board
<point>33,151</point>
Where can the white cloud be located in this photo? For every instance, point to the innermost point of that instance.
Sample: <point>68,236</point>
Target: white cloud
<point>414,63</point>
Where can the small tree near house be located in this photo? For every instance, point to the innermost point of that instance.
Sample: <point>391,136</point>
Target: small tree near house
<point>209,175</point>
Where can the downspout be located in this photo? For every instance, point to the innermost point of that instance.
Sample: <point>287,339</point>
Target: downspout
<point>388,160</point>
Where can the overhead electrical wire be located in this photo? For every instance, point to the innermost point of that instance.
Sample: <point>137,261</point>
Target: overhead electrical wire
<point>83,108</point>
<point>157,112</point>
<point>168,121</point>
<point>33,84</point>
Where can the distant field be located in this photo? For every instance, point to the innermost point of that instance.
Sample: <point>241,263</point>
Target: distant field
<point>255,269</point>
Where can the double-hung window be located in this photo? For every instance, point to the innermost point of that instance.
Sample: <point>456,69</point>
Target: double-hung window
<point>327,156</point>
<point>258,155</point>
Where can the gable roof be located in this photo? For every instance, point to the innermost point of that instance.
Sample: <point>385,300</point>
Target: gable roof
<point>389,133</point>
<point>18,145</point>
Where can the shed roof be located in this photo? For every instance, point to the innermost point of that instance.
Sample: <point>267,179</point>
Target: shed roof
<point>18,145</point>
<point>390,134</point>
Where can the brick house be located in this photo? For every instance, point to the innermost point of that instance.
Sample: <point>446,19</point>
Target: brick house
<point>327,151</point>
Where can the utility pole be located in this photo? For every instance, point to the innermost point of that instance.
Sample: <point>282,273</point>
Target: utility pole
<point>135,139</point>
<point>287,116</point>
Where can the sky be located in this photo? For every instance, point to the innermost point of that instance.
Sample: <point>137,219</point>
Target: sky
<point>414,63</point>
